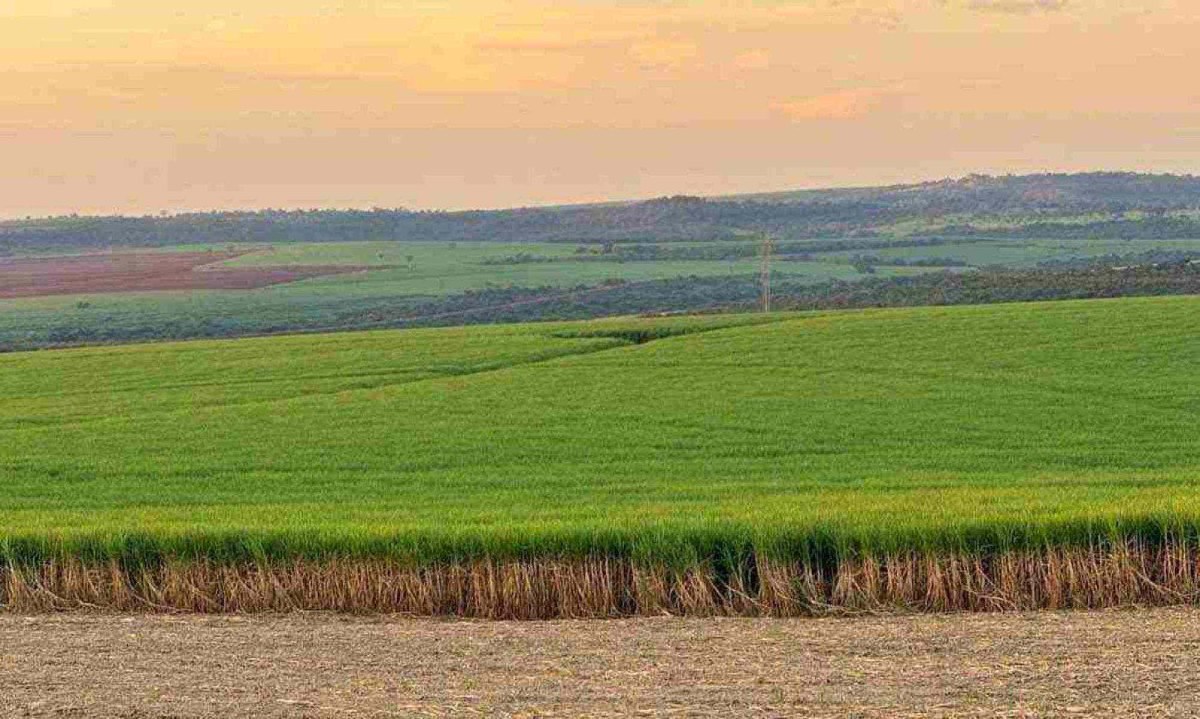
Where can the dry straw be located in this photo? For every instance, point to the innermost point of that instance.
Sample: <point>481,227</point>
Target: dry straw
<point>1052,578</point>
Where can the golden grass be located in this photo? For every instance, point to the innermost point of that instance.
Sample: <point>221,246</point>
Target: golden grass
<point>1053,578</point>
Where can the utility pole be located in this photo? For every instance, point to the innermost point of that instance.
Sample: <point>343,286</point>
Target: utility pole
<point>764,273</point>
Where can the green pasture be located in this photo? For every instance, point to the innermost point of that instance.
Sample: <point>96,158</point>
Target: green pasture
<point>406,279</point>
<point>400,275</point>
<point>1019,252</point>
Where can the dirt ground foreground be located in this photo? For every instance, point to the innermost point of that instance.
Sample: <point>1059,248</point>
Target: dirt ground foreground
<point>1113,663</point>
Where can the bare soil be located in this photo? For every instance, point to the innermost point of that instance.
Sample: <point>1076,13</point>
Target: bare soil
<point>1110,663</point>
<point>144,271</point>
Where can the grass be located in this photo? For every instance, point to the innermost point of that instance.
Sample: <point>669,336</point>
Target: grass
<point>726,443</point>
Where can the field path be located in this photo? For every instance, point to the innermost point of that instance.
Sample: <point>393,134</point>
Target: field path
<point>1116,663</point>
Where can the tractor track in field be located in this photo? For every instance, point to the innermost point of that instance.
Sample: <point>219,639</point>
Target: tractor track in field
<point>1111,663</point>
<point>619,341</point>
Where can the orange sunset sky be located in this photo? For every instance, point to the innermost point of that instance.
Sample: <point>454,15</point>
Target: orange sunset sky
<point>134,106</point>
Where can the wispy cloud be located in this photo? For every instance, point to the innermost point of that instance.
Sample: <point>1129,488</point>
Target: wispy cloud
<point>664,54</point>
<point>1018,7</point>
<point>848,104</point>
<point>753,60</point>
<point>546,46</point>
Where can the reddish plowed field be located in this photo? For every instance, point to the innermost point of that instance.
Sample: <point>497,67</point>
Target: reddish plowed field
<point>142,271</point>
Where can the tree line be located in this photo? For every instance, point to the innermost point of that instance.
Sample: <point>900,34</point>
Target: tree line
<point>842,213</point>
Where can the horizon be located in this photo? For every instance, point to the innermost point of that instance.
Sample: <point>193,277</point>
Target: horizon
<point>597,202</point>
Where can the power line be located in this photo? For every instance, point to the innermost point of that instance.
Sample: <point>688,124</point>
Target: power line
<point>764,273</point>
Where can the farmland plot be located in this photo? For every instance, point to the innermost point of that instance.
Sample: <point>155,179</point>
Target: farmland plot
<point>1027,455</point>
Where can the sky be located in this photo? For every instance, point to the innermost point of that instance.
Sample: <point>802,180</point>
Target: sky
<point>145,106</point>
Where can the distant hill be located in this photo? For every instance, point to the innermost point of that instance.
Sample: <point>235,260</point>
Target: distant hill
<point>1087,192</point>
<point>1124,205</point>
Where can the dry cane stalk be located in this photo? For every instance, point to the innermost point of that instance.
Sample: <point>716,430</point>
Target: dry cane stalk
<point>1086,577</point>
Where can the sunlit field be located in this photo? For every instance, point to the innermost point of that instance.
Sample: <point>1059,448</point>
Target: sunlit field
<point>969,427</point>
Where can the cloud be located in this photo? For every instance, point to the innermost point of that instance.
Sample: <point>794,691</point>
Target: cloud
<point>841,105</point>
<point>1017,7</point>
<point>663,54</point>
<point>542,47</point>
<point>752,60</point>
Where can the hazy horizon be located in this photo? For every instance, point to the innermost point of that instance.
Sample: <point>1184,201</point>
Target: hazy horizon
<point>135,107</point>
<point>598,201</point>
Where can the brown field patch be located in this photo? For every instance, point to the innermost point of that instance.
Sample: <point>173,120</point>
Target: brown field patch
<point>145,271</point>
